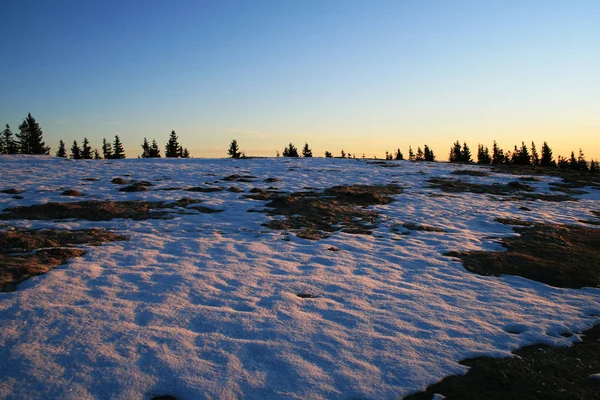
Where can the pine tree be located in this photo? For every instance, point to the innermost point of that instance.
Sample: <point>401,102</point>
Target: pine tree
<point>594,167</point>
<point>563,163</point>
<point>465,154</point>
<point>10,145</point>
<point>185,153</point>
<point>172,147</point>
<point>455,152</point>
<point>429,156</point>
<point>106,149</point>
<point>145,149</point>
<point>388,156</point>
<point>75,151</point>
<point>398,155</point>
<point>508,157</point>
<point>582,164</point>
<point>118,151</point>
<point>86,150</point>
<point>546,160</point>
<point>234,150</point>
<point>290,151</point>
<point>497,154</point>
<point>97,155</point>
<point>420,155</point>
<point>154,150</point>
<point>521,156</point>
<point>535,158</point>
<point>343,154</point>
<point>306,151</point>
<point>328,154</point>
<point>30,137</point>
<point>411,154</point>
<point>62,151</point>
<point>483,155</point>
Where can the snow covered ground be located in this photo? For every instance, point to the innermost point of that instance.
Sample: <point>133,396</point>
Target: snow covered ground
<point>205,306</point>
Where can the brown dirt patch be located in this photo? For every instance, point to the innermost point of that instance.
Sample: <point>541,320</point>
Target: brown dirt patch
<point>95,210</point>
<point>419,227</point>
<point>558,255</point>
<point>119,181</point>
<point>136,187</point>
<point>234,189</point>
<point>205,210</point>
<point>72,192</point>
<point>315,214</point>
<point>201,189</point>
<point>239,178</point>
<point>11,191</point>
<point>577,179</point>
<point>536,372</point>
<point>469,172</point>
<point>19,259</point>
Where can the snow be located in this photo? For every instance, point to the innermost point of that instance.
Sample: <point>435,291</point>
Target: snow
<point>205,305</point>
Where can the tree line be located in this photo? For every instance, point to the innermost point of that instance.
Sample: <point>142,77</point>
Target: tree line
<point>29,139</point>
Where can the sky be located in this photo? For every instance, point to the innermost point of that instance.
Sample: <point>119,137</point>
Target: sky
<point>363,76</point>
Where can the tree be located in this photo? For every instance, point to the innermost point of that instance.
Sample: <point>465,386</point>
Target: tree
<point>234,150</point>
<point>62,152</point>
<point>154,151</point>
<point>429,156</point>
<point>535,158</point>
<point>455,152</point>
<point>563,162</point>
<point>10,145</point>
<point>497,154</point>
<point>30,137</point>
<point>306,151</point>
<point>118,151</point>
<point>521,156</point>
<point>106,149</point>
<point>398,155</point>
<point>411,154</point>
<point>483,155</point>
<point>594,167</point>
<point>172,149</point>
<point>97,155</point>
<point>573,161</point>
<point>75,151</point>
<point>290,151</point>
<point>546,160</point>
<point>86,150</point>
<point>388,155</point>
<point>465,154</point>
<point>582,164</point>
<point>420,155</point>
<point>328,154</point>
<point>343,154</point>
<point>185,153</point>
<point>145,149</point>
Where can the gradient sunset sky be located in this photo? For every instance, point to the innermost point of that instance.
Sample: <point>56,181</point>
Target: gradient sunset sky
<point>363,76</point>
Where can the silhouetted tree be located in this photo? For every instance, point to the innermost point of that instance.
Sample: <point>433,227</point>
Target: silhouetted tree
<point>172,149</point>
<point>306,151</point>
<point>145,149</point>
<point>10,146</point>
<point>429,156</point>
<point>328,155</point>
<point>62,151</point>
<point>420,155</point>
<point>483,155</point>
<point>521,156</point>
<point>290,151</point>
<point>154,151</point>
<point>411,154</point>
<point>97,155</point>
<point>75,151</point>
<point>563,163</point>
<point>398,155</point>
<point>234,150</point>
<point>497,154</point>
<point>30,137</point>
<point>388,155</point>
<point>535,158</point>
<point>185,153</point>
<point>455,152</point>
<point>118,151</point>
<point>508,157</point>
<point>106,149</point>
<point>573,162</point>
<point>582,164</point>
<point>86,150</point>
<point>547,160</point>
<point>594,167</point>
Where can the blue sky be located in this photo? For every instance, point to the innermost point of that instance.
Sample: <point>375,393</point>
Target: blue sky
<point>365,76</point>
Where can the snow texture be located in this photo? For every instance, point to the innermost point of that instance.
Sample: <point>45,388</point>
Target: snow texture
<point>206,305</point>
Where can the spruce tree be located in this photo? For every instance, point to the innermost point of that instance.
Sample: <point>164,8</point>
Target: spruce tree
<point>420,155</point>
<point>172,147</point>
<point>180,151</point>
<point>118,151</point>
<point>290,151</point>
<point>86,149</point>
<point>30,137</point>
<point>582,164</point>
<point>594,167</point>
<point>547,160</point>
<point>328,154</point>
<point>465,154</point>
<point>497,154</point>
<point>398,155</point>
<point>483,155</point>
<point>62,151</point>
<point>145,149</point>
<point>521,156</point>
<point>563,163</point>
<point>10,145</point>
<point>97,155</point>
<point>573,161</point>
<point>106,149</point>
<point>306,151</point>
<point>185,153</point>
<point>343,154</point>
<point>411,154</point>
<point>455,152</point>
<point>154,150</point>
<point>535,158</point>
<point>388,155</point>
<point>75,151</point>
<point>429,156</point>
<point>234,150</point>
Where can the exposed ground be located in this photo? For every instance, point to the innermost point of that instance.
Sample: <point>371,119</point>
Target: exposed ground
<point>26,253</point>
